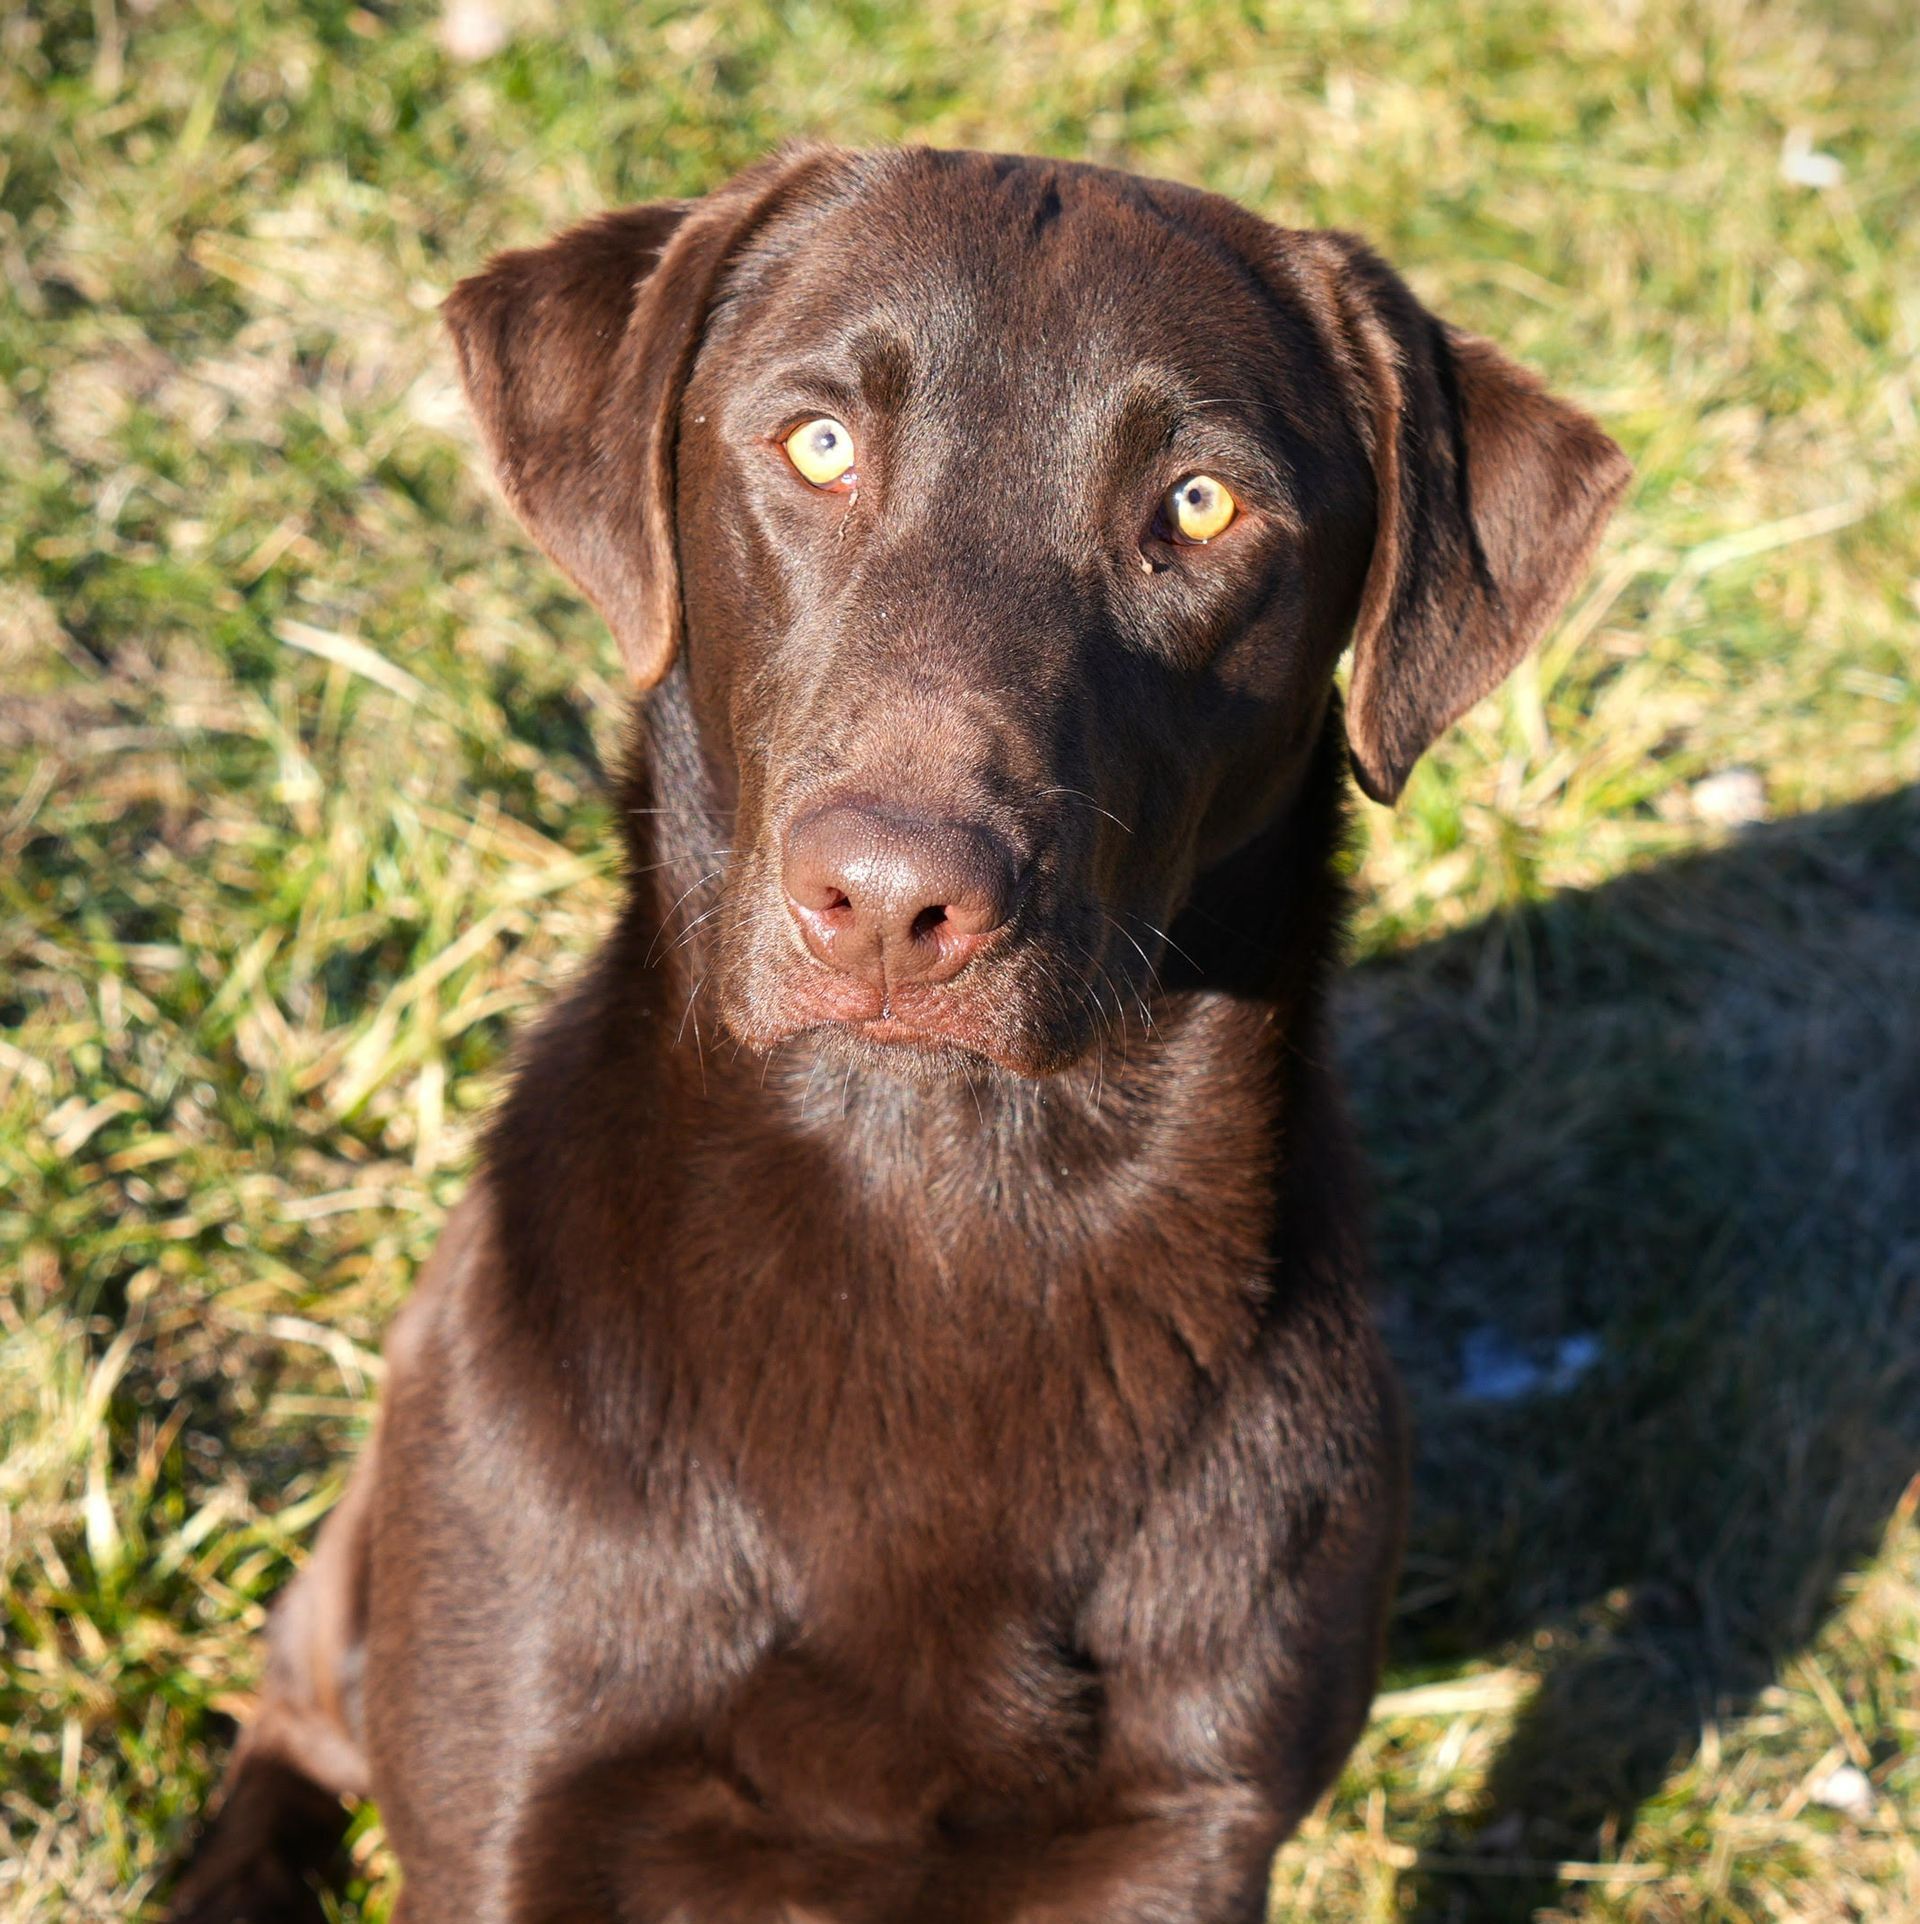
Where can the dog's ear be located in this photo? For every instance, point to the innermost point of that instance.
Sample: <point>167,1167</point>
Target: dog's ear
<point>574,356</point>
<point>1490,497</point>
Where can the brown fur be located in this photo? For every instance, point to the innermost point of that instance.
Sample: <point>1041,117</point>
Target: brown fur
<point>876,1446</point>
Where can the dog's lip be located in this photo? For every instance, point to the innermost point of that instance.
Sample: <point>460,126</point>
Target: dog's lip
<point>890,1033</point>
<point>888,1028</point>
<point>897,1034</point>
<point>883,1023</point>
<point>900,1012</point>
<point>889,1036</point>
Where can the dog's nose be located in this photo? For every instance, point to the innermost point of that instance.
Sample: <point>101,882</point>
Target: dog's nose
<point>893,897</point>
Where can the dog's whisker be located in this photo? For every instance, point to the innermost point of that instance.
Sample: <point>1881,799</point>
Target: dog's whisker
<point>699,982</point>
<point>1105,1027</point>
<point>673,861</point>
<point>1153,976</point>
<point>688,1015</point>
<point>1154,929</point>
<point>1122,1028</point>
<point>1080,795</point>
<point>667,918</point>
<point>974,1092</point>
<point>1088,1002</point>
<point>687,934</point>
<point>813,1076</point>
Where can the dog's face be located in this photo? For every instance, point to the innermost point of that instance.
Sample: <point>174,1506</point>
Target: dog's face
<point>1006,609</point>
<point>1012,516</point>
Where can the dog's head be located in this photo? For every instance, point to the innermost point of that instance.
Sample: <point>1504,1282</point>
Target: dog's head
<point>1011,517</point>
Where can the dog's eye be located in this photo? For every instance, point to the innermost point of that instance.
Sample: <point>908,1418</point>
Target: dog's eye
<point>1199,508</point>
<point>822,452</point>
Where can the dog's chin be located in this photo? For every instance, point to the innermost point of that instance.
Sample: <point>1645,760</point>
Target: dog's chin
<point>912,1052</point>
<point>917,1056</point>
<point>903,1056</point>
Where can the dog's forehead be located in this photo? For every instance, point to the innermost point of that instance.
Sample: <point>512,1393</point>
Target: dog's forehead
<point>963,258</point>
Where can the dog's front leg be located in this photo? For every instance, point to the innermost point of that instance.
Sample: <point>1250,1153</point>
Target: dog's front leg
<point>1238,1641</point>
<point>282,1813</point>
<point>281,1817</point>
<point>1199,1857</point>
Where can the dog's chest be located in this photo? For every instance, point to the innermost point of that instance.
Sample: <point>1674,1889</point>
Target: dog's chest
<point>938,1467</point>
<point>954,1378</point>
<point>892,1448</point>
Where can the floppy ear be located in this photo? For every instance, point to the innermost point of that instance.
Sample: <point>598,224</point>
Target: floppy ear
<point>1491,495</point>
<point>574,356</point>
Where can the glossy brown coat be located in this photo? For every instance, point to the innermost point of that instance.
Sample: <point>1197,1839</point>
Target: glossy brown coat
<point>892,1433</point>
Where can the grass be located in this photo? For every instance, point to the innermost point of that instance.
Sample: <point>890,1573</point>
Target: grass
<point>300,810</point>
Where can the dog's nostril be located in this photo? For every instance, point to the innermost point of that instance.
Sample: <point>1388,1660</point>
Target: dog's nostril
<point>892,896</point>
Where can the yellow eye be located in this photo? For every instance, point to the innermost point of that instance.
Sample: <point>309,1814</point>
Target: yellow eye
<point>821,451</point>
<point>1199,508</point>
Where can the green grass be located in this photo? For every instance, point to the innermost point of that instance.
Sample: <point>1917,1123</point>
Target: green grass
<point>299,810</point>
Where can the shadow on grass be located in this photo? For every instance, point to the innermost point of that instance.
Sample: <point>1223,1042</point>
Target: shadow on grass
<point>1677,1114</point>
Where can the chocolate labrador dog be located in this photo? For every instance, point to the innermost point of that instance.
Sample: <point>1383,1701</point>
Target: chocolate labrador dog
<point>894,1432</point>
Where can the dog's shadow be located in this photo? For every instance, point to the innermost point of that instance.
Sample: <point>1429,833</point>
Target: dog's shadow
<point>1649,1219</point>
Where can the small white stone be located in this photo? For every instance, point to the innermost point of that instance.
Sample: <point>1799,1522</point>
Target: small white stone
<point>473,30</point>
<point>1846,1789</point>
<point>1733,797</point>
<point>1803,165</point>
